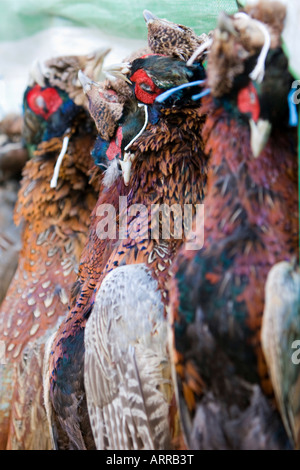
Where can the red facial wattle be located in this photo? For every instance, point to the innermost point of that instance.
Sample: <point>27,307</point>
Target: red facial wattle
<point>114,149</point>
<point>110,95</point>
<point>44,102</point>
<point>248,102</point>
<point>140,77</point>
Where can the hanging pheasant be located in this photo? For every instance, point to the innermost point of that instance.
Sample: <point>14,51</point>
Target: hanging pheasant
<point>163,164</point>
<point>13,156</point>
<point>54,205</point>
<point>251,221</point>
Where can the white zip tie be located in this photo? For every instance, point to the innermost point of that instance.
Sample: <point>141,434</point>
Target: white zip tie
<point>143,128</point>
<point>53,182</point>
<point>259,71</point>
<point>129,157</point>
<point>198,51</point>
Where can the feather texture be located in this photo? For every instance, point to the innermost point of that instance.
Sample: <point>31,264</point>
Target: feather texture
<point>127,375</point>
<point>171,39</point>
<point>280,336</point>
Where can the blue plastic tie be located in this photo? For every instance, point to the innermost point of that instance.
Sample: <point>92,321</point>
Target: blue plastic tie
<point>200,95</point>
<point>168,93</point>
<point>293,118</point>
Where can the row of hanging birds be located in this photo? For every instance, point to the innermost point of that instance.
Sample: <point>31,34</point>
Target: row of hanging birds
<point>140,342</point>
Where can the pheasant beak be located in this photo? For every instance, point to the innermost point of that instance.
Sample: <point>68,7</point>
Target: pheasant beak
<point>38,73</point>
<point>86,82</point>
<point>126,164</point>
<point>118,71</point>
<point>260,133</point>
<point>149,17</point>
<point>95,63</point>
<point>225,24</point>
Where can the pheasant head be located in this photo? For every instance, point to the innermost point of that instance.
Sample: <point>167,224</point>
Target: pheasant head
<point>54,96</point>
<point>149,77</point>
<point>247,70</point>
<point>62,72</point>
<point>176,40</point>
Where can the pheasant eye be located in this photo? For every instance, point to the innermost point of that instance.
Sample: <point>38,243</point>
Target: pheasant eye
<point>145,90</point>
<point>43,101</point>
<point>146,87</point>
<point>248,102</point>
<point>40,102</point>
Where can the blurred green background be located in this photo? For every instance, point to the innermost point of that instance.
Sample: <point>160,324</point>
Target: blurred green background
<point>123,18</point>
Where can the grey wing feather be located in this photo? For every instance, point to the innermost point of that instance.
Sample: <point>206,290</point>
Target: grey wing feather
<point>280,329</point>
<point>127,372</point>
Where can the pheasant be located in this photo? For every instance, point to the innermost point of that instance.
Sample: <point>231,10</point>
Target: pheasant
<point>164,158</point>
<point>224,391</point>
<point>13,156</point>
<point>280,341</point>
<point>54,208</point>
